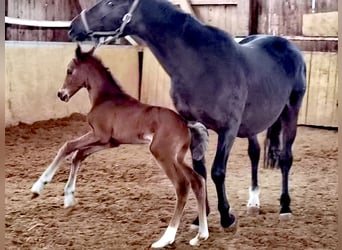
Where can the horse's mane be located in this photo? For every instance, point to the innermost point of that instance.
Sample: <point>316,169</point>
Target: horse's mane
<point>97,62</point>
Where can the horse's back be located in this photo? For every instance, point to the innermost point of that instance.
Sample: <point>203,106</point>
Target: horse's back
<point>278,49</point>
<point>275,71</point>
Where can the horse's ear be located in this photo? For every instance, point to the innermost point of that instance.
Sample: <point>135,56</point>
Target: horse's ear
<point>91,52</point>
<point>78,53</point>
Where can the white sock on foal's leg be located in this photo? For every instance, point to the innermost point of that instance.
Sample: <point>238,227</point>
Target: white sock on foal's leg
<point>47,175</point>
<point>45,178</point>
<point>167,238</point>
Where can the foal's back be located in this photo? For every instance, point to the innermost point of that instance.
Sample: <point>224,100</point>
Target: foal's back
<point>128,121</point>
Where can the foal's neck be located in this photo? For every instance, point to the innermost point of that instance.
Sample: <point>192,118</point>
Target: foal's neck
<point>102,86</point>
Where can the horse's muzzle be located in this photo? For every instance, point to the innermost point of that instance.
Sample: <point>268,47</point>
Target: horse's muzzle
<point>63,95</point>
<point>77,36</point>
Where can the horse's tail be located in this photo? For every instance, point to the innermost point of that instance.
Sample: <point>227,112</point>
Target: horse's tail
<point>272,146</point>
<point>199,140</point>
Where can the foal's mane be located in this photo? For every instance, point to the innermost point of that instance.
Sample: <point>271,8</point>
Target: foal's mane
<point>97,63</point>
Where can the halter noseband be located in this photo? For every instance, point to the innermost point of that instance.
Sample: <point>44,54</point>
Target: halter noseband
<point>114,34</point>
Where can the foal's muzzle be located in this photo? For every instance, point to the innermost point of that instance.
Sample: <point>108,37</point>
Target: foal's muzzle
<point>63,95</point>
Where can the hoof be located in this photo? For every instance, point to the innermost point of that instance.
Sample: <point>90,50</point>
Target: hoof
<point>161,244</point>
<point>195,224</point>
<point>198,239</point>
<point>194,227</point>
<point>253,210</point>
<point>167,239</point>
<point>34,195</point>
<point>229,222</point>
<point>69,200</point>
<point>285,217</point>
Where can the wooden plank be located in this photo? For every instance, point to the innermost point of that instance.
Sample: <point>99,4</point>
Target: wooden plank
<point>303,110</point>
<point>322,93</point>
<point>216,16</point>
<point>186,7</point>
<point>320,24</point>
<point>155,84</point>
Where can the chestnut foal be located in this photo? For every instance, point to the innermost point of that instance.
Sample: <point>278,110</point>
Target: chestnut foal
<point>117,118</point>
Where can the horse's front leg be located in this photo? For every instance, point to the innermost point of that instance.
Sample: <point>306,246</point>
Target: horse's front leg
<point>253,204</point>
<point>68,148</point>
<point>218,173</point>
<point>77,158</point>
<point>198,146</point>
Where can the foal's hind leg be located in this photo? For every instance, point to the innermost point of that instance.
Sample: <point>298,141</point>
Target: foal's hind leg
<point>166,161</point>
<point>77,158</point>
<point>182,187</point>
<point>198,185</point>
<point>68,148</point>
<point>254,155</point>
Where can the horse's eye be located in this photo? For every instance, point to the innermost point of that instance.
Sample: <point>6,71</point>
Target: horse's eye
<point>69,72</point>
<point>110,3</point>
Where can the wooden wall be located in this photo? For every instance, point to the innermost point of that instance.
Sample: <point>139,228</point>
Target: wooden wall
<point>35,72</point>
<point>229,15</point>
<point>320,101</point>
<point>284,17</point>
<point>49,10</point>
<point>320,105</point>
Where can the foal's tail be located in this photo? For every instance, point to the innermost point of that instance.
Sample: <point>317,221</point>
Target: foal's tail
<point>272,146</point>
<point>199,140</point>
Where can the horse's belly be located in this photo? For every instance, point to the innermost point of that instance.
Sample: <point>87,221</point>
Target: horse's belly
<point>258,118</point>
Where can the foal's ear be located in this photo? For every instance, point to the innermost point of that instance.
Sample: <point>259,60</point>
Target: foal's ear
<point>91,52</point>
<point>79,54</point>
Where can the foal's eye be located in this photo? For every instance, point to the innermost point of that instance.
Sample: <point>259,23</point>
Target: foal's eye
<point>69,72</point>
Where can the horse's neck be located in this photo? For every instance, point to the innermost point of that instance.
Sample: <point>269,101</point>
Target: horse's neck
<point>171,35</point>
<point>100,87</point>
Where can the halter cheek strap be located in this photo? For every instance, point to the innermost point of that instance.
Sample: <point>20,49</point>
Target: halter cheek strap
<point>116,33</point>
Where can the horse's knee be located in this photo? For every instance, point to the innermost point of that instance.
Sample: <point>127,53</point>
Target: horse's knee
<point>218,175</point>
<point>285,161</point>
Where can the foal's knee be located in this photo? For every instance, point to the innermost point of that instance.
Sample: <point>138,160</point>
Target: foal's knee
<point>182,188</point>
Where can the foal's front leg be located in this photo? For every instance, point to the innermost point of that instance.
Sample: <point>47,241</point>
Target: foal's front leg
<point>68,148</point>
<point>77,158</point>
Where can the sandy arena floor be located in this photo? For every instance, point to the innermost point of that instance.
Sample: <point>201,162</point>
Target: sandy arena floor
<point>125,201</point>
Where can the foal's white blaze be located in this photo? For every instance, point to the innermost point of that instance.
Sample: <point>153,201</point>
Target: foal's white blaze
<point>167,238</point>
<point>253,202</point>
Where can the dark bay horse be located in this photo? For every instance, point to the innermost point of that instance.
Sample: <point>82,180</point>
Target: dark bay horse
<point>237,90</point>
<point>117,118</point>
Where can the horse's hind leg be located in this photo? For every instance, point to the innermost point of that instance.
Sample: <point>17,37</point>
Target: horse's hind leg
<point>254,155</point>
<point>272,145</point>
<point>77,158</point>
<point>289,118</point>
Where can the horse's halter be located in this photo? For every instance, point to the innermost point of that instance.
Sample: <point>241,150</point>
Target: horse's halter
<point>114,34</point>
